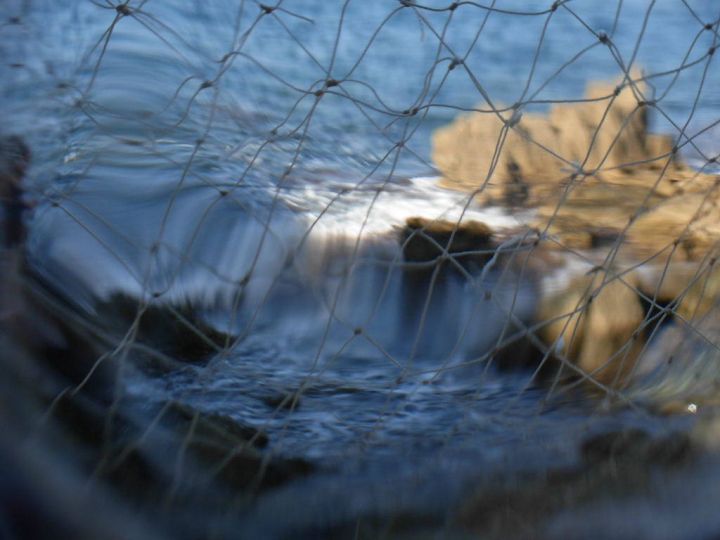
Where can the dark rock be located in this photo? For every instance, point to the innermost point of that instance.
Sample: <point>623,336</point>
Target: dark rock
<point>215,428</point>
<point>50,329</point>
<point>174,331</point>
<point>615,445</point>
<point>14,159</point>
<point>35,318</point>
<point>290,401</point>
<point>425,240</point>
<point>616,465</point>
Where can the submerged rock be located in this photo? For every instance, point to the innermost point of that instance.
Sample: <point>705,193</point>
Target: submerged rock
<point>540,155</point>
<point>176,332</point>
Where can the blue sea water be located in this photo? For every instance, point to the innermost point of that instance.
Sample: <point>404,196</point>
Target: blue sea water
<point>257,163</point>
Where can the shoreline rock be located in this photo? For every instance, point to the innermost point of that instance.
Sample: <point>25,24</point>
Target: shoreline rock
<point>590,169</point>
<point>607,192</point>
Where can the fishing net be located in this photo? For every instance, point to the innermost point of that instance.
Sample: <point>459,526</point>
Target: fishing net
<point>359,269</point>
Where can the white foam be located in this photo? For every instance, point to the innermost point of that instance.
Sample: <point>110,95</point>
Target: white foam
<point>377,211</point>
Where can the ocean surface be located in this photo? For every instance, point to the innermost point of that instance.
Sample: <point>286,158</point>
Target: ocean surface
<point>257,165</point>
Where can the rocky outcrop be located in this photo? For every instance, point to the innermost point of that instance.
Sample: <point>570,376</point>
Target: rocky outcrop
<point>591,170</point>
<point>513,157</point>
<point>595,324</point>
<point>176,332</point>
<point>604,191</point>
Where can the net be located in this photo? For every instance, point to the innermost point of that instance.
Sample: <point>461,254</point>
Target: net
<point>361,269</point>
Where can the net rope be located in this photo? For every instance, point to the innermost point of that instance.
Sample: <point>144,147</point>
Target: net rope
<point>381,269</point>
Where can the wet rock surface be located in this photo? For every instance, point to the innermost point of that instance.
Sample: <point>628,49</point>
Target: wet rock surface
<point>174,331</point>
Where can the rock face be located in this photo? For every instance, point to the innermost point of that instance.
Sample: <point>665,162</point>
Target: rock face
<point>604,192</point>
<point>424,240</point>
<point>592,171</point>
<point>511,157</point>
<point>596,322</point>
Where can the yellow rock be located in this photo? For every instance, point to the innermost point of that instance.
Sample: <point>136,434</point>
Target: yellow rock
<point>425,240</point>
<point>492,152</point>
<point>689,289</point>
<point>603,190</point>
<point>596,324</point>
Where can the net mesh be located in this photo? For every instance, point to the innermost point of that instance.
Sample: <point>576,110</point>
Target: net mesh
<point>359,269</point>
